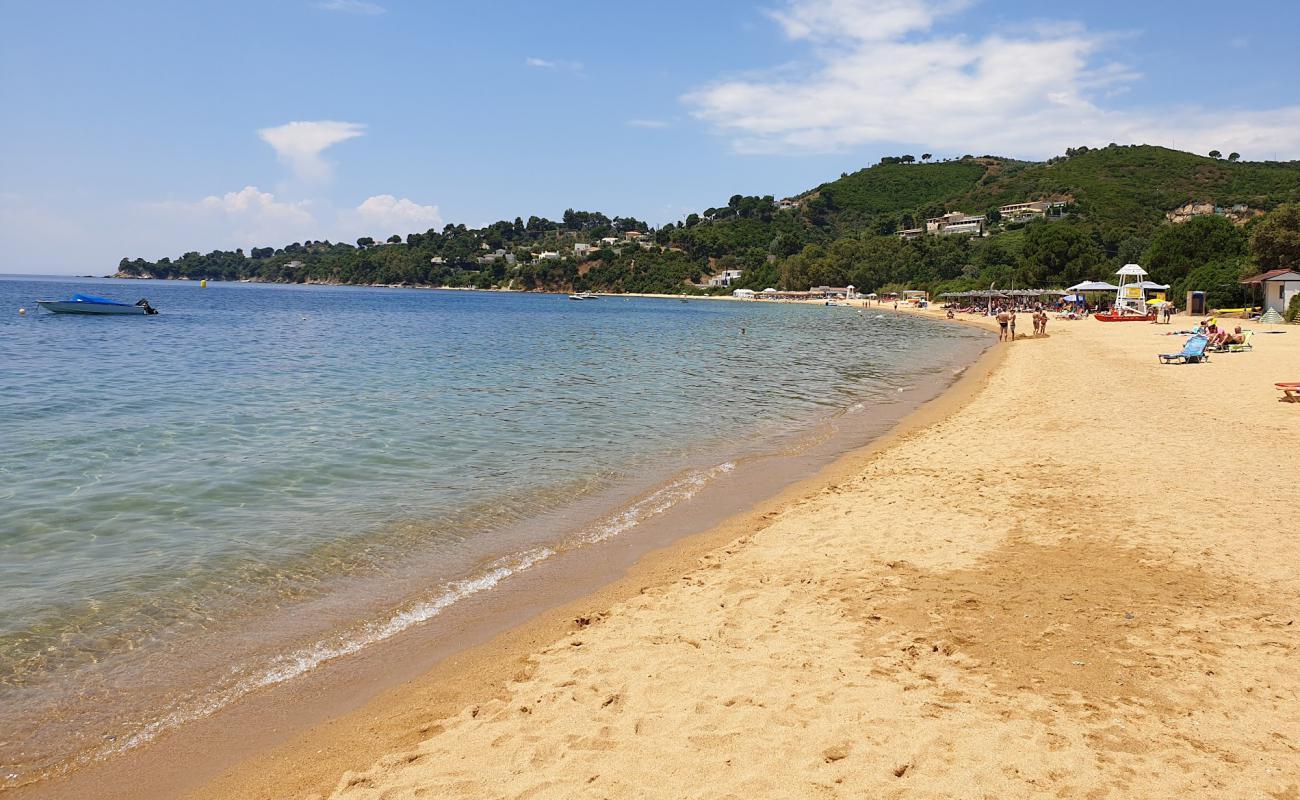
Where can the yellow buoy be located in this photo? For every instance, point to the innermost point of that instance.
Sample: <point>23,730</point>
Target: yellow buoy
<point>203,284</point>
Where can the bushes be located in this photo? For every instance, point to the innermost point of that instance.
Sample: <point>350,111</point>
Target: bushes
<point>1220,280</point>
<point>1293,310</point>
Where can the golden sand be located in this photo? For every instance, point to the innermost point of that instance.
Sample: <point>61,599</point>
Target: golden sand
<point>1083,582</point>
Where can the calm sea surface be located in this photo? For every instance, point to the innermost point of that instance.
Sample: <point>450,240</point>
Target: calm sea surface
<point>264,478</point>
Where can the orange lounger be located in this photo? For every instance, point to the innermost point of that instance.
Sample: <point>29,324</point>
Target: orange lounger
<point>1290,391</point>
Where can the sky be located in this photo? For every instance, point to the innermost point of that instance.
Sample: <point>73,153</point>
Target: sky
<point>147,129</point>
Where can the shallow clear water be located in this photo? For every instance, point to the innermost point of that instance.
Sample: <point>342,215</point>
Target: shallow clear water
<point>357,460</point>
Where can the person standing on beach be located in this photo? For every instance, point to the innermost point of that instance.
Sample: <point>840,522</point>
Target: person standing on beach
<point>1011,324</point>
<point>1042,323</point>
<point>1003,319</point>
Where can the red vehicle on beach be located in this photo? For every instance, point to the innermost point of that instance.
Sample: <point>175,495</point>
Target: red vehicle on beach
<point>1111,316</point>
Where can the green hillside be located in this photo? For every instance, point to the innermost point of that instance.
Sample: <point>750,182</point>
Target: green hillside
<point>1134,186</point>
<point>888,189</point>
<point>845,231</point>
<point>1125,186</point>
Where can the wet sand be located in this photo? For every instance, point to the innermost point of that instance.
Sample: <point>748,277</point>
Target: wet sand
<point>1072,575</point>
<point>1082,583</point>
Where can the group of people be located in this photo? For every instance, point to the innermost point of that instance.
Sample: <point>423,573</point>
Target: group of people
<point>1219,338</point>
<point>1006,318</point>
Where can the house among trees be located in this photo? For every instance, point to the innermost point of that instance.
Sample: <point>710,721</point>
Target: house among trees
<point>1279,286</point>
<point>911,233</point>
<point>956,222</point>
<point>725,277</point>
<point>1014,212</point>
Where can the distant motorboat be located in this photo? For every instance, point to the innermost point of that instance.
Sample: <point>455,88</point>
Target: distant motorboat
<point>89,304</point>
<point>584,296</point>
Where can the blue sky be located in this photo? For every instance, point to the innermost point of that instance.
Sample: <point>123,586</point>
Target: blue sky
<point>151,128</point>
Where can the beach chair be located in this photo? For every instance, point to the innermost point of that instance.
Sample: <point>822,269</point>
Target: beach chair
<point>1290,391</point>
<point>1193,352</point>
<point>1245,346</point>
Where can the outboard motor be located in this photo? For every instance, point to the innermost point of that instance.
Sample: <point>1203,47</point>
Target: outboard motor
<point>148,309</point>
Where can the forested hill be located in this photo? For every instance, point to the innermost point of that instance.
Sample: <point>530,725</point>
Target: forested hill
<point>1112,205</point>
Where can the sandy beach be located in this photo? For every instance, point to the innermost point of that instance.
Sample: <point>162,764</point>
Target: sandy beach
<point>1078,581</point>
<point>1071,576</point>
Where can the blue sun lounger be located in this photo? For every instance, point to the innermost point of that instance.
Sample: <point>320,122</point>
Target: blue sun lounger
<point>1193,352</point>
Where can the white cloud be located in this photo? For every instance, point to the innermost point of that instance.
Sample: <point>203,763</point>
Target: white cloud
<point>386,213</point>
<point>879,74</point>
<point>251,200</point>
<point>647,123</point>
<point>249,217</point>
<point>862,20</point>
<point>546,63</point>
<point>352,6</point>
<point>299,144</point>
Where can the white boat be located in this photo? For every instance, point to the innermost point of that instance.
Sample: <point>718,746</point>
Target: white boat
<point>584,296</point>
<point>88,304</point>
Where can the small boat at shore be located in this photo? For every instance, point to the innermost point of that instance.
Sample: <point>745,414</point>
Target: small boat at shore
<point>89,304</point>
<point>584,296</point>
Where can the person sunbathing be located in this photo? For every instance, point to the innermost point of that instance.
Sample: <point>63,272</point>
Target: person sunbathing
<point>1221,338</point>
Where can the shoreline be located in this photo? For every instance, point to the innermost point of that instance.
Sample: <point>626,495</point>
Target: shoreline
<point>1168,606</point>
<point>968,607</point>
<point>166,767</point>
<point>486,671</point>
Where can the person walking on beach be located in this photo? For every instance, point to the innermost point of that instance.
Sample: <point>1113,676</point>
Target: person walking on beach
<point>1042,324</point>
<point>1003,319</point>
<point>1011,324</point>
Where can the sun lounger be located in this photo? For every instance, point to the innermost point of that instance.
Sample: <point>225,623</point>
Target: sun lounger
<point>1193,352</point>
<point>1245,346</point>
<point>1290,391</point>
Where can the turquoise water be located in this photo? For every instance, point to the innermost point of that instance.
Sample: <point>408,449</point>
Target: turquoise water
<point>296,472</point>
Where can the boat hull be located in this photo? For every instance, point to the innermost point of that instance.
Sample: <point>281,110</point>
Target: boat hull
<point>68,307</point>
<point>1123,318</point>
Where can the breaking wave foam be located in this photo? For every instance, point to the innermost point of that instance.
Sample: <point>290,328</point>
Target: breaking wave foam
<point>291,665</point>
<point>684,488</point>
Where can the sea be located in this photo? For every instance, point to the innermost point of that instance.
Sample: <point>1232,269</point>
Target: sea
<point>265,480</point>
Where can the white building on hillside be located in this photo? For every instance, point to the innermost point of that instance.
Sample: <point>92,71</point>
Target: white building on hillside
<point>725,277</point>
<point>956,222</point>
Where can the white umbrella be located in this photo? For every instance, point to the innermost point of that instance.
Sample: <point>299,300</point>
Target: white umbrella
<point>1093,286</point>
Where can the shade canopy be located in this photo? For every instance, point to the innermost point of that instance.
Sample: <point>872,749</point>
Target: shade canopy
<point>1094,286</point>
<point>1151,285</point>
<point>1131,269</point>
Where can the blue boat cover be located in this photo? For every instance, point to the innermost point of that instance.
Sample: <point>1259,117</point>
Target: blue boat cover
<point>86,298</point>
